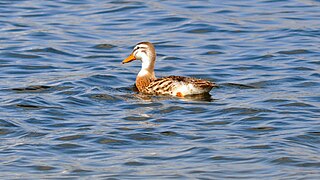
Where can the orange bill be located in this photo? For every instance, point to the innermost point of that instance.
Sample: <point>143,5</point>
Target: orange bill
<point>129,59</point>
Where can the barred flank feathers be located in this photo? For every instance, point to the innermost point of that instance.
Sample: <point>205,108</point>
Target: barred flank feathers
<point>172,84</point>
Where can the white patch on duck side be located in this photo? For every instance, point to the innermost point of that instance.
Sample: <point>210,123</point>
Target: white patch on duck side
<point>186,89</point>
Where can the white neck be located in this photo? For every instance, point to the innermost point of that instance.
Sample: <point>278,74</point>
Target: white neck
<point>146,63</point>
<point>147,66</point>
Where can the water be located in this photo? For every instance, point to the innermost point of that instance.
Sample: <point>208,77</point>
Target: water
<point>68,109</point>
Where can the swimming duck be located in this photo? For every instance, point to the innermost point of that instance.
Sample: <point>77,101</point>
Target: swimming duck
<point>146,81</point>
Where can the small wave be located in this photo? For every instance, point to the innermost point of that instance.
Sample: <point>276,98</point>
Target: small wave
<point>295,51</point>
<point>52,50</point>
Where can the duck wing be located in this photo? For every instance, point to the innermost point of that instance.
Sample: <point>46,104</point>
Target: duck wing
<point>179,86</point>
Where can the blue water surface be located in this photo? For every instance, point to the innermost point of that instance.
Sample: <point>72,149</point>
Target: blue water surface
<point>69,110</point>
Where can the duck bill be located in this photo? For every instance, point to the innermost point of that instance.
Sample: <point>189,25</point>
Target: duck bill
<point>129,59</point>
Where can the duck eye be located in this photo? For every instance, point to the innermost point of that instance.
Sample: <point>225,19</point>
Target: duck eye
<point>138,47</point>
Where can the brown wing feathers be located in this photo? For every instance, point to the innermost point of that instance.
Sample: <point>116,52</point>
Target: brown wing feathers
<point>196,82</point>
<point>165,85</point>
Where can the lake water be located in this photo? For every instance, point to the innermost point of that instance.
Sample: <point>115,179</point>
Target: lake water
<point>68,108</point>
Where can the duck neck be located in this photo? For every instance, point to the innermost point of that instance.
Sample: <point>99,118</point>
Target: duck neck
<point>146,74</point>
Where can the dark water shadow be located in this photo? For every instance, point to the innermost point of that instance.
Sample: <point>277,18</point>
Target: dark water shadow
<point>34,88</point>
<point>38,89</point>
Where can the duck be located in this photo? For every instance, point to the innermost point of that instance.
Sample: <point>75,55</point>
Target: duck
<point>147,83</point>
